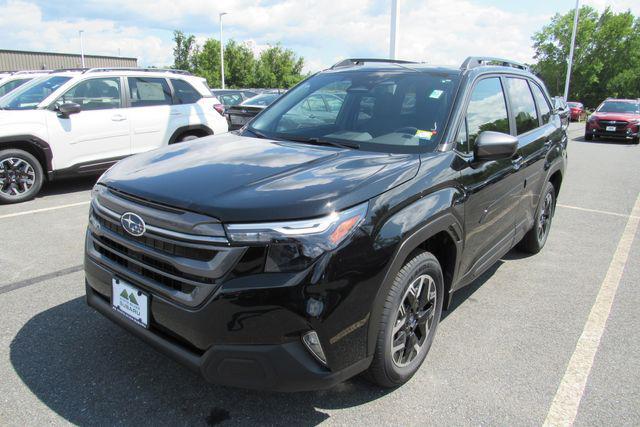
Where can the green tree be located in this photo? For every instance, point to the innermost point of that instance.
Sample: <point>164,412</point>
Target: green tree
<point>239,65</point>
<point>208,62</point>
<point>606,57</point>
<point>278,68</point>
<point>184,51</point>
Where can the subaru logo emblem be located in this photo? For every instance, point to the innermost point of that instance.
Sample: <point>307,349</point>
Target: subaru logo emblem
<point>132,224</point>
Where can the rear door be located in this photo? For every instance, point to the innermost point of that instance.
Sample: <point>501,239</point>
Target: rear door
<point>152,119</point>
<point>99,132</point>
<point>535,133</point>
<point>492,188</point>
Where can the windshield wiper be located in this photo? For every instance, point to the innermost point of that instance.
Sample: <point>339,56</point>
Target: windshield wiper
<point>321,141</point>
<point>257,133</point>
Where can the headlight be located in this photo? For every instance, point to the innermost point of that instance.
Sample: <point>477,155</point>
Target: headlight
<point>293,245</point>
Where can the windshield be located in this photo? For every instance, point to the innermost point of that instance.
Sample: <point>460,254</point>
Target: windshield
<point>261,100</point>
<point>10,85</point>
<point>574,104</point>
<point>395,111</point>
<point>30,95</point>
<point>619,107</point>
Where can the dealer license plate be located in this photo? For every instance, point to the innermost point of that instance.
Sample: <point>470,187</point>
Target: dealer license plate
<point>611,128</point>
<point>130,302</point>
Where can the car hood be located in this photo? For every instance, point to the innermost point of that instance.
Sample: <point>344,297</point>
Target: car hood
<point>616,116</point>
<point>236,178</point>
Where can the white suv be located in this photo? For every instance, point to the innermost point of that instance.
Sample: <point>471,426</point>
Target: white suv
<point>83,121</point>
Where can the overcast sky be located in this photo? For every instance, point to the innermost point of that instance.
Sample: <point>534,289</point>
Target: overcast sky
<point>323,31</point>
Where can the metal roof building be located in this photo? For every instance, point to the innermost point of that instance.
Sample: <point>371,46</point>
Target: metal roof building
<point>16,60</point>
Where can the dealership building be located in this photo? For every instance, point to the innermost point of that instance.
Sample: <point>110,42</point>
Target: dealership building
<point>17,60</point>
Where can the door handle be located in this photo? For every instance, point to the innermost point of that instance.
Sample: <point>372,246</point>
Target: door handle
<point>118,118</point>
<point>517,162</point>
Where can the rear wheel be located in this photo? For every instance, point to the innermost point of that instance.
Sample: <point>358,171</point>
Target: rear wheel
<point>534,240</point>
<point>410,317</point>
<point>21,176</point>
<point>187,137</point>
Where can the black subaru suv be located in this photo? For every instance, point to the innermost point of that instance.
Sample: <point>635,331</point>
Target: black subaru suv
<point>307,248</point>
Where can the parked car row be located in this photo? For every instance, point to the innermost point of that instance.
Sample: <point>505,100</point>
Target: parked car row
<point>11,81</point>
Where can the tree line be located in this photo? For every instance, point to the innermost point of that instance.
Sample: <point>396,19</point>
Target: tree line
<point>606,61</point>
<point>276,67</point>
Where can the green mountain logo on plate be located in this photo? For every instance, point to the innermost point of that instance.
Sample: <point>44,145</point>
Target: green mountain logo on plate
<point>124,294</point>
<point>133,299</point>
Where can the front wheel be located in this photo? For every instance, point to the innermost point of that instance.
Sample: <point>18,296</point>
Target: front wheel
<point>636,140</point>
<point>588,137</point>
<point>534,240</point>
<point>21,176</point>
<point>410,317</point>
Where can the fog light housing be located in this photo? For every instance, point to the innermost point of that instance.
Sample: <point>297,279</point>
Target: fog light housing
<point>312,342</point>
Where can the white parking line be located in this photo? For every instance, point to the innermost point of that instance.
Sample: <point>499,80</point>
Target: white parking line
<point>53,208</point>
<point>564,407</point>
<point>578,208</point>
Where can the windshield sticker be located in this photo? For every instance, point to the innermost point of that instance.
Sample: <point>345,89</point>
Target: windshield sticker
<point>436,94</point>
<point>424,134</point>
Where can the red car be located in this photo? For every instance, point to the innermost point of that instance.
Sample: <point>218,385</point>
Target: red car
<point>615,118</point>
<point>576,110</point>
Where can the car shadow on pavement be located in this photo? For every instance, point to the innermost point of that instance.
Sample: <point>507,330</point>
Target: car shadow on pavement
<point>605,141</point>
<point>68,185</point>
<point>89,371</point>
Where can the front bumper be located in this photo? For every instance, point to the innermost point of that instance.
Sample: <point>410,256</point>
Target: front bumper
<point>620,133</point>
<point>282,367</point>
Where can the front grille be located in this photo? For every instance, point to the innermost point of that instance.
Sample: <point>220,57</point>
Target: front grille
<point>183,266</point>
<point>161,245</point>
<point>616,123</point>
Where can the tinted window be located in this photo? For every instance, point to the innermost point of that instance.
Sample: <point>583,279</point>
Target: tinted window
<point>487,110</point>
<point>230,99</point>
<point>261,100</point>
<point>543,105</point>
<point>33,93</point>
<point>149,91</point>
<point>11,85</point>
<point>524,109</point>
<point>619,107</point>
<point>94,94</point>
<point>184,92</point>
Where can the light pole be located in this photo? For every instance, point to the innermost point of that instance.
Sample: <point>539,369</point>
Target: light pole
<point>81,47</point>
<point>573,42</point>
<point>393,35</point>
<point>221,14</point>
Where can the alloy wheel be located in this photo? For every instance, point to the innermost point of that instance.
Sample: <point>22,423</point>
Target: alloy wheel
<point>544,219</point>
<point>413,320</point>
<point>17,176</point>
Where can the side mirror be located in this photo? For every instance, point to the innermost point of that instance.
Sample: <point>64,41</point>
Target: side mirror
<point>69,108</point>
<point>494,146</point>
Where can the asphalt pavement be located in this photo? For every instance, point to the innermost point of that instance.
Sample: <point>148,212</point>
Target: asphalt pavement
<point>499,358</point>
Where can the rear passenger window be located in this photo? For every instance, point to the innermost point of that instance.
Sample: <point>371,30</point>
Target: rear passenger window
<point>184,92</point>
<point>487,110</point>
<point>543,106</point>
<point>149,91</point>
<point>524,109</point>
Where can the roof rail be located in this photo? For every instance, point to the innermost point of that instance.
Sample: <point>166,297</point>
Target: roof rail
<point>62,70</point>
<point>361,61</point>
<point>148,70</point>
<point>32,72</point>
<point>479,61</point>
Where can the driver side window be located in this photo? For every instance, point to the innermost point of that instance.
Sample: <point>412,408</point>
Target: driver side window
<point>94,94</point>
<point>487,111</point>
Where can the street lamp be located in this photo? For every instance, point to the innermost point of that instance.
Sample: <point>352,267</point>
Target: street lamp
<point>221,14</point>
<point>573,43</point>
<point>81,47</point>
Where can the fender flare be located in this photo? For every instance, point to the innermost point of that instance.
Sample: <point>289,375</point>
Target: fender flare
<point>33,141</point>
<point>446,222</point>
<point>188,128</point>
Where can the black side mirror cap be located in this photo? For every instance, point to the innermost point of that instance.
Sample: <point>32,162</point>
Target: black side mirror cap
<point>494,146</point>
<point>69,108</point>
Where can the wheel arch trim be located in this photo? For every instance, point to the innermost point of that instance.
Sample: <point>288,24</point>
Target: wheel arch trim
<point>183,129</point>
<point>42,149</point>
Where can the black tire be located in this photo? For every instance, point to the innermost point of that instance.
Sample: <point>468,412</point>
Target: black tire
<point>588,136</point>
<point>21,176</point>
<point>385,370</point>
<point>636,140</point>
<point>534,240</point>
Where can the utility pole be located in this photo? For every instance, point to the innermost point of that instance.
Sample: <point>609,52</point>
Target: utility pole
<point>81,48</point>
<point>221,14</point>
<point>393,34</point>
<point>573,42</point>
